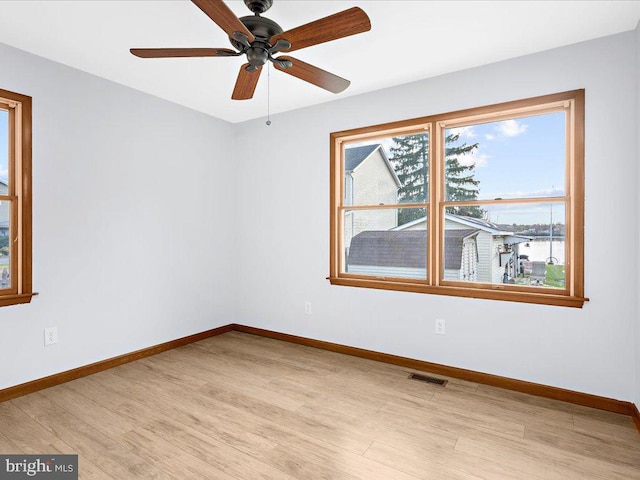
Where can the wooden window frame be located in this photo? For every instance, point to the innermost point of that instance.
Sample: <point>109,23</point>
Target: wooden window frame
<point>572,102</point>
<point>19,194</point>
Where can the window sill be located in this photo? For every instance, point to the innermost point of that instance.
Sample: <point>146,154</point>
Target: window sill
<point>498,294</point>
<point>8,300</point>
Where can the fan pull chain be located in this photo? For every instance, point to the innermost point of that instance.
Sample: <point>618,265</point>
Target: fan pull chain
<point>268,94</point>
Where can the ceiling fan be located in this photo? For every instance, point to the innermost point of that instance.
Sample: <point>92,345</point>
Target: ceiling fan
<point>259,38</point>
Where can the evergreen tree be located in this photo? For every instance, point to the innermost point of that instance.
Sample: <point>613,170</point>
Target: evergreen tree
<point>461,184</point>
<point>409,157</point>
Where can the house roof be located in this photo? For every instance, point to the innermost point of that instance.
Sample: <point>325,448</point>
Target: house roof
<point>478,223</point>
<point>355,156</point>
<point>471,222</point>
<point>404,248</point>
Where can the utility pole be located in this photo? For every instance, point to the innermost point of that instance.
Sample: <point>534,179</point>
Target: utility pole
<point>550,262</point>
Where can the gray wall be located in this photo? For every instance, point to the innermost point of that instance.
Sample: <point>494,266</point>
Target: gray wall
<point>131,221</point>
<point>285,246</point>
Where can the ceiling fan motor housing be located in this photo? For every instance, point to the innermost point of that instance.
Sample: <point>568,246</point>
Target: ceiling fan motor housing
<point>262,29</point>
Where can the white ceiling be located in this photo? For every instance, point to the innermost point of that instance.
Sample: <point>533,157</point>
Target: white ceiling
<point>409,40</point>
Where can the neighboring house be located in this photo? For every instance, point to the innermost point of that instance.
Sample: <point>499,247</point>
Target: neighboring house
<point>4,211</point>
<point>475,250</point>
<point>369,180</point>
<point>403,253</point>
<point>497,249</point>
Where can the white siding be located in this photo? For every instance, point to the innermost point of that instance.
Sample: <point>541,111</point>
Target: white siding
<point>470,260</point>
<point>486,257</point>
<point>451,225</point>
<point>372,183</point>
<point>468,264</point>
<point>454,275</point>
<point>378,271</point>
<point>497,271</point>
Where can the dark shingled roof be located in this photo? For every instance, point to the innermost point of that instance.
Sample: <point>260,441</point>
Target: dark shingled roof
<point>354,156</point>
<point>404,248</point>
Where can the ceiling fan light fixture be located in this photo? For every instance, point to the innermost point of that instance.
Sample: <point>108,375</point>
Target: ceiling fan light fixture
<point>257,55</point>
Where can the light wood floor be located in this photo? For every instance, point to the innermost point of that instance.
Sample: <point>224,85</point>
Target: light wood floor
<point>243,407</point>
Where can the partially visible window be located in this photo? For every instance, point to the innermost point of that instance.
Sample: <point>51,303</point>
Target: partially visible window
<point>486,203</point>
<point>15,198</point>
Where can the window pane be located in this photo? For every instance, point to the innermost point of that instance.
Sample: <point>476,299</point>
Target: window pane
<point>376,244</point>
<point>4,245</point>
<point>522,244</point>
<point>517,158</point>
<point>4,151</point>
<point>388,171</point>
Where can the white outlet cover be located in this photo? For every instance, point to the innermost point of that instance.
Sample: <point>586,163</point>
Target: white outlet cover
<point>50,335</point>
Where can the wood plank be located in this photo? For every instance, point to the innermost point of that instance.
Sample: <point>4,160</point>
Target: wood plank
<point>419,466</point>
<point>176,461</point>
<point>543,460</point>
<point>609,448</point>
<point>8,447</point>
<point>216,452</point>
<point>109,455</point>
<point>446,418</point>
<point>243,407</point>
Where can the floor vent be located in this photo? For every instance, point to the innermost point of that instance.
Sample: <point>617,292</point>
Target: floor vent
<point>425,378</point>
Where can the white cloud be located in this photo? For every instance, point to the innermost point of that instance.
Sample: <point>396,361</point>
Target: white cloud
<point>511,128</point>
<point>490,136</point>
<point>464,132</point>
<point>475,158</point>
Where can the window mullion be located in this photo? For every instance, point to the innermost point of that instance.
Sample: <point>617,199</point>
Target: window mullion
<point>436,148</point>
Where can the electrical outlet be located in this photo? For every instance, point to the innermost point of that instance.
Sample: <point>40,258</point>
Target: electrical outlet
<point>50,335</point>
<point>307,308</point>
<point>440,326</point>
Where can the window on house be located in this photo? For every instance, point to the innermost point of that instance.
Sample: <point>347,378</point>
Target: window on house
<point>486,203</point>
<point>15,198</point>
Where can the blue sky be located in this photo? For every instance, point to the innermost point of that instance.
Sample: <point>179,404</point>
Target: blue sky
<point>519,158</point>
<point>4,148</point>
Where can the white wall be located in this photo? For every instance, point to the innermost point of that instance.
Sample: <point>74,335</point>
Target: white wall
<point>132,232</point>
<point>282,263</point>
<point>637,315</point>
<point>134,244</point>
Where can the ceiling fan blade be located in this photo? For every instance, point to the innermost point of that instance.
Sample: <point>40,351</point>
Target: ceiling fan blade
<point>246,83</point>
<point>218,11</point>
<point>183,52</point>
<point>339,25</point>
<point>314,75</point>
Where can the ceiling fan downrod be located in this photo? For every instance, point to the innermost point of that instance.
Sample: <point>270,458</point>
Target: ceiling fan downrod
<point>258,6</point>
